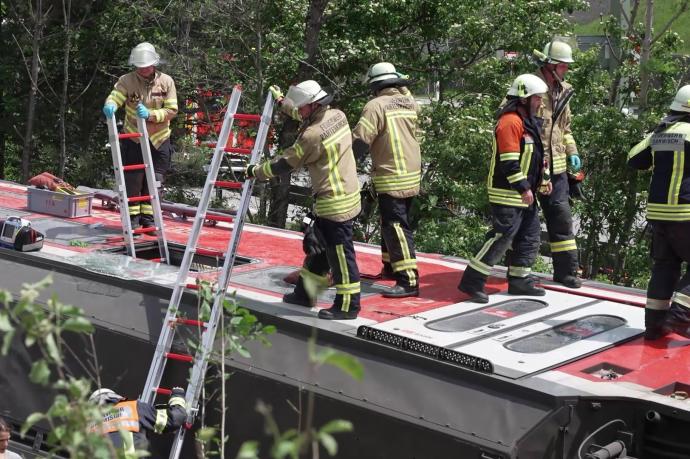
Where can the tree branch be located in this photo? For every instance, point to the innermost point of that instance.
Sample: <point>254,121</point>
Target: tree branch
<point>673,19</point>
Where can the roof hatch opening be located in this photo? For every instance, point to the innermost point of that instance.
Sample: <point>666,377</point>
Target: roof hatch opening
<point>486,316</point>
<point>200,263</point>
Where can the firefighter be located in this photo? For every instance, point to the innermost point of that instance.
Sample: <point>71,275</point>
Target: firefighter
<point>127,423</point>
<point>388,128</point>
<point>149,94</point>
<point>561,155</point>
<point>515,178</point>
<point>324,147</point>
<point>666,151</point>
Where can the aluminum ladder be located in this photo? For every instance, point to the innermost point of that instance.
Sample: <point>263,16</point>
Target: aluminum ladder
<point>172,320</point>
<point>124,200</point>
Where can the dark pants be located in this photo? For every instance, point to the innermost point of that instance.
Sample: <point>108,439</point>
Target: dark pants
<point>339,258</point>
<point>513,227</point>
<point>670,248</point>
<point>559,225</point>
<point>135,181</point>
<point>397,240</point>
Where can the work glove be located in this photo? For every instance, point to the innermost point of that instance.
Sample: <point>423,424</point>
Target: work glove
<point>313,242</point>
<point>249,171</point>
<point>142,111</point>
<point>574,162</point>
<point>276,92</point>
<point>177,392</point>
<point>109,110</point>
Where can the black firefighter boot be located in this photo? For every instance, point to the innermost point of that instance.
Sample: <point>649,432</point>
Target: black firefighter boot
<point>678,320</point>
<point>654,323</point>
<point>524,286</point>
<point>299,296</point>
<point>335,313</point>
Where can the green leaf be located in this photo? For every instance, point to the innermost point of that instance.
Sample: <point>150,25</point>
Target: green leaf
<point>52,348</point>
<point>7,342</point>
<point>205,434</point>
<point>40,372</point>
<point>78,325</point>
<point>345,362</point>
<point>248,450</point>
<point>5,324</point>
<point>336,426</point>
<point>329,443</point>
<point>30,421</point>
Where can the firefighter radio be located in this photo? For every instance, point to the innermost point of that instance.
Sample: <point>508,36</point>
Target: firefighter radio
<point>17,233</point>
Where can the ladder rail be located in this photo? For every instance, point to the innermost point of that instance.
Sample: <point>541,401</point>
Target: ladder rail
<point>198,373</point>
<point>167,334</point>
<point>153,187</point>
<point>120,184</point>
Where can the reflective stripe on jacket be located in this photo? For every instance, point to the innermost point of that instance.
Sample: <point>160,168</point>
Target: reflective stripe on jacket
<point>667,153</point>
<point>516,161</point>
<point>325,148</point>
<point>158,95</point>
<point>389,126</point>
<point>557,137</point>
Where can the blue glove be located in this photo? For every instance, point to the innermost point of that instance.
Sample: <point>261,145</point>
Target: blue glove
<point>109,110</point>
<point>142,111</point>
<point>574,162</point>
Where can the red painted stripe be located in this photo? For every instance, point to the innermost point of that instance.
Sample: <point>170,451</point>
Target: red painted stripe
<point>219,218</point>
<point>129,135</point>
<point>227,184</point>
<point>209,252</point>
<point>139,198</point>
<point>180,357</point>
<point>247,117</point>
<point>133,167</point>
<point>242,151</point>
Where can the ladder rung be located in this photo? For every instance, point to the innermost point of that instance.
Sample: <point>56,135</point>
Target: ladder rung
<point>180,357</point>
<point>196,323</point>
<point>129,135</point>
<point>192,286</point>
<point>134,167</point>
<point>226,184</point>
<point>242,151</point>
<point>220,218</point>
<point>247,116</point>
<point>163,391</point>
<point>209,252</point>
<point>139,198</point>
<point>157,260</point>
<point>150,229</point>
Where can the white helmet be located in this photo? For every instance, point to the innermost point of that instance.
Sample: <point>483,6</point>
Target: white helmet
<point>144,55</point>
<point>380,72</point>
<point>103,396</point>
<point>558,51</point>
<point>527,85</point>
<point>681,103</point>
<point>305,93</point>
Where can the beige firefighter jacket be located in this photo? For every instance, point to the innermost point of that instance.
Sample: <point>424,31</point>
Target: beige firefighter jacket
<point>389,126</point>
<point>158,95</point>
<point>324,147</point>
<point>558,139</point>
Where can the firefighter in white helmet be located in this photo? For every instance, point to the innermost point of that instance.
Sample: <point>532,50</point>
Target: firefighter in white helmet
<point>561,154</point>
<point>149,94</point>
<point>387,129</point>
<point>128,422</point>
<point>666,151</point>
<point>324,147</point>
<point>516,176</point>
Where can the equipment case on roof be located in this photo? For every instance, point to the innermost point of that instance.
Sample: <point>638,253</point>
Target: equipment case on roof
<point>60,204</point>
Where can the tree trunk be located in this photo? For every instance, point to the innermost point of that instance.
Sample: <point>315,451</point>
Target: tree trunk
<point>644,55</point>
<point>31,109</point>
<point>281,185</point>
<point>66,13</point>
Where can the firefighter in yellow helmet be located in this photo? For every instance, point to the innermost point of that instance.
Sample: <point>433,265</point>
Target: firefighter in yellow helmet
<point>561,155</point>
<point>666,151</point>
<point>387,129</point>
<point>516,176</point>
<point>149,94</point>
<point>128,422</point>
<point>324,147</point>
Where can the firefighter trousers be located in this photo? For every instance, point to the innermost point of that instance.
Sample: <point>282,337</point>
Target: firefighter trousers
<point>670,248</point>
<point>514,228</point>
<point>559,225</point>
<point>135,181</point>
<point>397,240</point>
<point>339,259</point>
